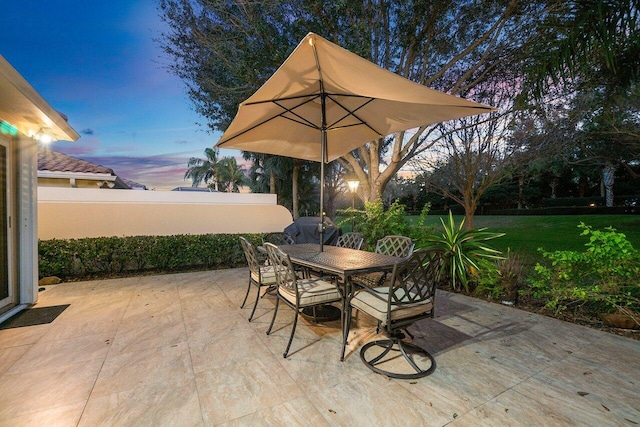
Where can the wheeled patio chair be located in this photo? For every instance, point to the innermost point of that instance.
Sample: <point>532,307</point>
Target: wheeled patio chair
<point>408,298</point>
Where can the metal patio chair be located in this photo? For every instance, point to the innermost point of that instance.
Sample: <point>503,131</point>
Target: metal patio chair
<point>409,297</point>
<point>398,246</point>
<point>259,275</point>
<point>350,240</point>
<point>279,238</point>
<point>299,293</point>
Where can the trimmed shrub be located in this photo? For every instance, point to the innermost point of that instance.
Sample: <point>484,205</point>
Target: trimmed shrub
<point>112,256</point>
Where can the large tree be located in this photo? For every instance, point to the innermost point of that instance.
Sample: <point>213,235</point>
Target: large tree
<point>604,124</point>
<point>478,152</point>
<point>589,55</point>
<point>224,50</point>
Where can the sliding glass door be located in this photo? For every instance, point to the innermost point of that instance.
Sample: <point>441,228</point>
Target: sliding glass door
<point>6,289</point>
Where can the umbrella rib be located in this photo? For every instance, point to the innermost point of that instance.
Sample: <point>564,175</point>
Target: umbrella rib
<point>302,120</point>
<point>353,113</point>
<point>288,98</point>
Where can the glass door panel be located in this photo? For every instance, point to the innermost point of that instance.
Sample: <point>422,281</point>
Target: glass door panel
<point>5,243</point>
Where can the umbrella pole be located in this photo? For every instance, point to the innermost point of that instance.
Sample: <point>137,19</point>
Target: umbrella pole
<point>323,154</point>
<point>321,226</point>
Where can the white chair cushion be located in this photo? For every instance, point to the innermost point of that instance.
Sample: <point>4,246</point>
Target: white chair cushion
<point>312,291</point>
<point>268,275</point>
<point>377,307</point>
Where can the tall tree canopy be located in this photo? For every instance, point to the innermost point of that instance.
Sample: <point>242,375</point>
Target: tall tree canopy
<point>224,50</point>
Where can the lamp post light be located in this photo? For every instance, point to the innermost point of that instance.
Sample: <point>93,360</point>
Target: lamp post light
<point>353,186</point>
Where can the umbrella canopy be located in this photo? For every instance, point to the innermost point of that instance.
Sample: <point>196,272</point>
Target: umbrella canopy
<point>325,101</point>
<point>363,102</point>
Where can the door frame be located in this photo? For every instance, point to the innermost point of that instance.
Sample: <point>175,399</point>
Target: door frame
<point>12,299</point>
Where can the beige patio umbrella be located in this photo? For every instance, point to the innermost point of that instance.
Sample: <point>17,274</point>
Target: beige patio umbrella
<point>325,101</point>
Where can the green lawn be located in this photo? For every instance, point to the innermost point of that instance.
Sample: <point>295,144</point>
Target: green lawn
<point>525,234</point>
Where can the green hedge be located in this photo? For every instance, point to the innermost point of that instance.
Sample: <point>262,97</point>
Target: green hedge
<point>113,256</point>
<point>569,210</point>
<point>622,200</point>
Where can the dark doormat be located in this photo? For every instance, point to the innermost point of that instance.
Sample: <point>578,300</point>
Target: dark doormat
<point>34,316</point>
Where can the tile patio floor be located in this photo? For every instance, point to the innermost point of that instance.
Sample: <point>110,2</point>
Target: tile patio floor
<point>176,350</point>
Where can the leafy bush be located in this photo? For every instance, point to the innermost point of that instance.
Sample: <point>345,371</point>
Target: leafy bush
<point>108,256</point>
<point>605,275</point>
<point>419,232</point>
<point>502,279</point>
<point>375,222</point>
<point>463,250</point>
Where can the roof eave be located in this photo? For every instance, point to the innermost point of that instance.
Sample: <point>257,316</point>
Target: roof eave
<point>76,175</point>
<point>25,109</point>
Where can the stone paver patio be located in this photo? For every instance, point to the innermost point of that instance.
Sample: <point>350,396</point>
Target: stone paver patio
<point>177,350</point>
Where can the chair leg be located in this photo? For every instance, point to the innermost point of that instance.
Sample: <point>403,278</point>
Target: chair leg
<point>246,295</point>
<point>293,331</point>
<point>256,303</point>
<point>275,312</point>
<point>409,333</point>
<point>269,289</point>
<point>346,326</point>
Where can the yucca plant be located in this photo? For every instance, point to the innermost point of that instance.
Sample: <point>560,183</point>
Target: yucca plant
<point>463,249</point>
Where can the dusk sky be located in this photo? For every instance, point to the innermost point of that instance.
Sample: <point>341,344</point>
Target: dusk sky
<point>98,63</point>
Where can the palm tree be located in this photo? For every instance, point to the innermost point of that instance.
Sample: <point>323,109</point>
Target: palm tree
<point>204,169</point>
<point>589,38</point>
<point>231,176</point>
<point>283,176</point>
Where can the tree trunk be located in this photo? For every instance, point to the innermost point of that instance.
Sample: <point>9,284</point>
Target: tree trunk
<point>582,186</point>
<point>554,186</point>
<point>608,178</point>
<point>373,181</point>
<point>468,216</point>
<point>294,189</point>
<point>272,184</point>
<point>520,191</point>
<point>272,187</point>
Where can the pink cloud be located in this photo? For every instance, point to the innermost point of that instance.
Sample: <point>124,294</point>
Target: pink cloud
<point>87,147</point>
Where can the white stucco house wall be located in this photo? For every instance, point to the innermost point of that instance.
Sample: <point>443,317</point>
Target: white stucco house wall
<point>24,117</point>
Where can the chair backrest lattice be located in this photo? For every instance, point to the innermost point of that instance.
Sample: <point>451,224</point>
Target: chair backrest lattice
<point>284,269</point>
<point>250,254</point>
<point>279,238</point>
<point>350,240</point>
<point>398,246</point>
<point>414,280</point>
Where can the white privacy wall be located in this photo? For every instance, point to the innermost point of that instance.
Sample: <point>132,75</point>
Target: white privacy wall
<point>74,213</point>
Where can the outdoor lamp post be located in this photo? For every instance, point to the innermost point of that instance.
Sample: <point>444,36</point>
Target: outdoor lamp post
<point>353,186</point>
